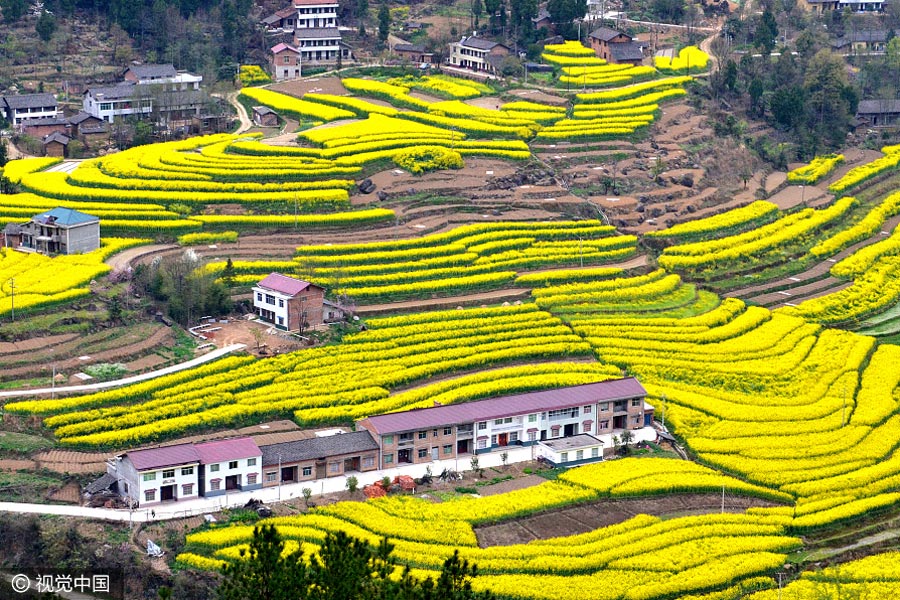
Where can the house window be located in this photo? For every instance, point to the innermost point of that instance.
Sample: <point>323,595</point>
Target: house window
<point>564,413</point>
<point>149,476</point>
<point>213,468</point>
<point>482,425</point>
<point>187,489</point>
<point>498,421</point>
<point>587,410</point>
<point>493,440</point>
<point>307,471</point>
<point>187,471</point>
<point>334,467</point>
<point>636,419</point>
<point>287,59</point>
<point>423,452</point>
<point>368,462</point>
<point>168,473</point>
<point>448,449</point>
<point>251,462</point>
<point>604,424</point>
<point>532,418</point>
<point>281,320</point>
<point>388,440</point>
<point>595,452</point>
<point>280,303</point>
<point>482,444</point>
<point>271,475</point>
<point>150,495</point>
<point>434,433</point>
<point>635,402</point>
<point>514,436</point>
<point>604,406</point>
<point>423,435</point>
<point>532,435</point>
<point>233,464</point>
<point>270,299</point>
<point>579,455</point>
<point>251,478</point>
<point>214,484</point>
<point>448,430</point>
<point>389,459</point>
<point>564,457</point>
<point>259,296</point>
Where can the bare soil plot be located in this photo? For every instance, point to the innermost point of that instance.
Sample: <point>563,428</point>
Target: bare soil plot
<point>71,461</point>
<point>587,517</point>
<point>69,493</point>
<point>318,85</point>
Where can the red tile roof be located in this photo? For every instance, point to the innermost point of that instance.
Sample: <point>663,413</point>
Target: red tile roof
<point>167,456</point>
<point>225,450</point>
<point>282,47</point>
<point>283,284</point>
<point>506,406</point>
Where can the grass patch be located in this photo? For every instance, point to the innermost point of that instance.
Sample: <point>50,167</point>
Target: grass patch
<point>22,443</point>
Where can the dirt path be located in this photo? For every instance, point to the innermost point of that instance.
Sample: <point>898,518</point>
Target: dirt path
<point>246,123</point>
<point>122,260</point>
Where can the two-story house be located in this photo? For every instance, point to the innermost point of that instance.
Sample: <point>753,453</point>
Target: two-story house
<point>61,231</point>
<point>477,54</point>
<point>23,107</point>
<point>155,475</point>
<point>288,303</point>
<point>226,465</point>
<point>446,432</point>
<point>615,47</point>
<point>147,89</point>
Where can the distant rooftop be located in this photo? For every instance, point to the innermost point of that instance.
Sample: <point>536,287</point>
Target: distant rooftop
<point>573,442</point>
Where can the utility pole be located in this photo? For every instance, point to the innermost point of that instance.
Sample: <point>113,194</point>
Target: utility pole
<point>12,297</point>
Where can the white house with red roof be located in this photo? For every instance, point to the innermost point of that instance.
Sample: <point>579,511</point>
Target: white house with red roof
<point>288,303</point>
<point>229,465</point>
<point>155,475</point>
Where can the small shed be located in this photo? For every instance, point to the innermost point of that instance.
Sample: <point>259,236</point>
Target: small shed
<point>56,144</point>
<point>12,235</point>
<point>264,116</point>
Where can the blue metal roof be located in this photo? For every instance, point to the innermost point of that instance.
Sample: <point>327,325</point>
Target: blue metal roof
<point>65,216</point>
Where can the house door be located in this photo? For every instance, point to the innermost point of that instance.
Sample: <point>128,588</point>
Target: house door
<point>404,456</point>
<point>435,454</point>
<point>288,474</point>
<point>571,429</point>
<point>543,434</point>
<point>462,447</point>
<point>351,464</point>
<point>503,439</point>
<point>320,470</point>
<point>620,422</point>
<point>167,492</point>
<point>232,482</point>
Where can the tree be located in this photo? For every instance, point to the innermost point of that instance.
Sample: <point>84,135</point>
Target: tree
<point>564,13</point>
<point>115,309</point>
<point>227,276</point>
<point>520,15</point>
<point>766,32</point>
<point>13,10</point>
<point>384,22</point>
<point>626,438</point>
<point>830,99</point>
<point>307,494</point>
<point>352,484</point>
<point>731,74</point>
<point>477,10</point>
<point>265,573</point>
<point>45,26</point>
<point>756,91</point>
<point>4,152</point>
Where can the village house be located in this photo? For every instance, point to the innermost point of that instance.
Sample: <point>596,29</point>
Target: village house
<point>879,114</point>
<point>477,54</point>
<point>870,40</point>
<point>319,457</point>
<point>615,47</point>
<point>289,304</point>
<point>446,432</point>
<point>88,129</point>
<point>56,144</point>
<point>148,89</point>
<point>315,38</point>
<point>227,465</point>
<point>264,116</point>
<point>23,107</point>
<point>40,128</point>
<point>61,231</point>
<point>156,475</point>
<point>414,53</point>
<point>542,20</point>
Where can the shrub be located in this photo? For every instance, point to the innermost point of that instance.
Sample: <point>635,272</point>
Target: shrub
<point>428,158</point>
